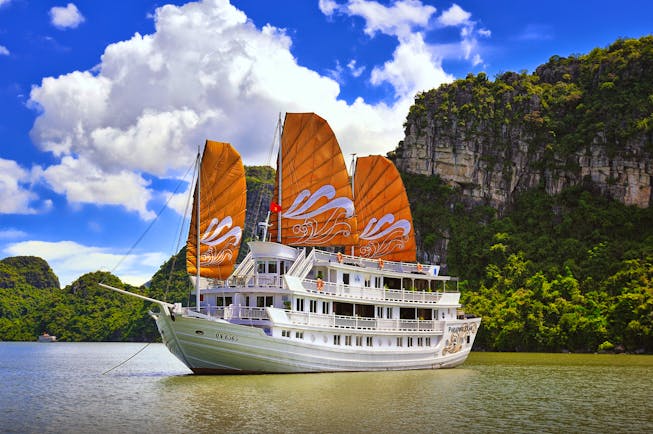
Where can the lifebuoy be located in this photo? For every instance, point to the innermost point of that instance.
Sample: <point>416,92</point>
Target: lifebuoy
<point>381,264</point>
<point>320,284</point>
<point>339,255</point>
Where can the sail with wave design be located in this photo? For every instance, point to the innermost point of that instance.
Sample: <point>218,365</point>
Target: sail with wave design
<point>383,211</point>
<point>221,203</point>
<point>316,203</point>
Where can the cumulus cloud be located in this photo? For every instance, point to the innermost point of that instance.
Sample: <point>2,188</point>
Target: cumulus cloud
<point>456,16</point>
<point>207,72</point>
<point>11,233</point>
<point>15,194</point>
<point>69,260</point>
<point>67,17</point>
<point>4,51</point>
<point>4,2</point>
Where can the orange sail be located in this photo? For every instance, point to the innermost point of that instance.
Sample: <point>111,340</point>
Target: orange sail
<point>383,211</point>
<point>316,201</point>
<point>222,202</point>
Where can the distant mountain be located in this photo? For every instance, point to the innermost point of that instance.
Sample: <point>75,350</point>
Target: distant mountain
<point>34,270</point>
<point>581,120</point>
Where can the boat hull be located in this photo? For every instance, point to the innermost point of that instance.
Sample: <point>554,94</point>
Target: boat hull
<point>219,347</point>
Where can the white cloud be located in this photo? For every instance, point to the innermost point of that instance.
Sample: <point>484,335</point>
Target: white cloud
<point>64,18</point>
<point>10,234</point>
<point>454,16</point>
<point>4,2</point>
<point>208,72</point>
<point>4,51</point>
<point>69,260</point>
<point>15,196</point>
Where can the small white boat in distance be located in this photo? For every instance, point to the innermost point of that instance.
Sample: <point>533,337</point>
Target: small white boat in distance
<point>47,338</point>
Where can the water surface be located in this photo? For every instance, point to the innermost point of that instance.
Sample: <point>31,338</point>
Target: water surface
<point>65,387</point>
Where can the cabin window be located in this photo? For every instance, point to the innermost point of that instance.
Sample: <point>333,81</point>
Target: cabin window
<point>299,305</point>
<point>201,297</point>
<point>346,309</point>
<point>420,342</point>
<point>285,333</point>
<point>264,301</point>
<point>359,341</point>
<point>299,335</point>
<point>400,341</point>
<point>325,307</point>
<point>369,341</point>
<point>428,342</point>
<point>377,282</point>
<point>367,282</point>
<point>345,278</point>
<point>410,341</point>
<point>388,312</point>
<point>379,312</point>
<point>407,313</point>
<point>336,339</point>
<point>468,338</point>
<point>224,301</point>
<point>282,267</point>
<point>348,340</point>
<point>272,267</point>
<point>260,267</point>
<point>312,305</point>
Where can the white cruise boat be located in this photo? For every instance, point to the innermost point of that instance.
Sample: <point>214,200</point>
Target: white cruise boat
<point>332,286</point>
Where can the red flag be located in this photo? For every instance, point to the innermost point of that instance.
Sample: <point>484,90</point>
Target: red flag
<point>275,207</point>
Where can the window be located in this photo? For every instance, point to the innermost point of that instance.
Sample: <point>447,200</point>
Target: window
<point>347,340</point>
<point>260,301</point>
<point>359,341</point>
<point>379,312</point>
<point>285,333</point>
<point>269,300</point>
<point>299,335</point>
<point>325,307</point>
<point>377,282</point>
<point>420,342</point>
<point>388,312</point>
<point>299,305</point>
<point>312,306</point>
<point>369,340</point>
<point>400,341</point>
<point>247,300</point>
<point>336,339</point>
<point>260,267</point>
<point>201,297</point>
<point>345,278</point>
<point>468,338</point>
<point>428,342</point>
<point>272,267</point>
<point>410,341</point>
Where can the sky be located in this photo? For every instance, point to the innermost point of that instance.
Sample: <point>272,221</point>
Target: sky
<point>104,104</point>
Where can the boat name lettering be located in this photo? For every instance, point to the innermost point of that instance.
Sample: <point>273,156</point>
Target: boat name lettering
<point>226,337</point>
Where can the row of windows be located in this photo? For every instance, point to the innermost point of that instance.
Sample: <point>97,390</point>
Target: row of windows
<point>367,341</point>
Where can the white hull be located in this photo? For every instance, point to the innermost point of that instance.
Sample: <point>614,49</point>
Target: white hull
<point>220,347</point>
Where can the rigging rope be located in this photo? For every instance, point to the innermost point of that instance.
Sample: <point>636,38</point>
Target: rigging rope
<point>122,363</point>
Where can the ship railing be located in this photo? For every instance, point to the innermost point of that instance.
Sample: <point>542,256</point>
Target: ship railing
<point>368,293</point>
<point>393,266</point>
<point>362,323</point>
<point>246,267</point>
<point>298,260</point>
<point>235,312</point>
<point>257,281</point>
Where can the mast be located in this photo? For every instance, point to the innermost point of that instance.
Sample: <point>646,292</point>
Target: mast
<point>279,173</point>
<point>197,278</point>
<point>353,192</point>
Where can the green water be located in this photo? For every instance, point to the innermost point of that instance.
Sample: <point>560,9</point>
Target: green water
<point>61,388</point>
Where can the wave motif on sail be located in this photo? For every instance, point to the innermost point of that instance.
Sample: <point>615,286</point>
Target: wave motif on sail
<point>337,210</point>
<point>222,241</point>
<point>316,184</point>
<point>379,191</point>
<point>384,236</point>
<point>222,200</point>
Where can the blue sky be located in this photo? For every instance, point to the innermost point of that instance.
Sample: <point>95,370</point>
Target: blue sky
<point>103,104</point>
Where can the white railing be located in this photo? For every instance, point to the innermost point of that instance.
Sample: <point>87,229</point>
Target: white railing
<point>305,266</point>
<point>362,323</point>
<point>257,281</point>
<point>246,267</point>
<point>398,267</point>
<point>367,293</point>
<point>234,312</point>
<point>298,260</point>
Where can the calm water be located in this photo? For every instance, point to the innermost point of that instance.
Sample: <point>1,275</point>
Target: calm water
<point>62,387</point>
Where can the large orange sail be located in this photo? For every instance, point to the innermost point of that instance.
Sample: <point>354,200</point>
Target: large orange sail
<point>222,200</point>
<point>383,211</point>
<point>316,201</point>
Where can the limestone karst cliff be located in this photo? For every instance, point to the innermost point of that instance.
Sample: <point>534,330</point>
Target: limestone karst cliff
<point>585,119</point>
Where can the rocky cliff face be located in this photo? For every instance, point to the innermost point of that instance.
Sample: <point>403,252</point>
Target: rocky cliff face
<point>578,120</point>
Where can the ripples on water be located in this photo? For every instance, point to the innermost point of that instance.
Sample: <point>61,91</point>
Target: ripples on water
<point>61,388</point>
